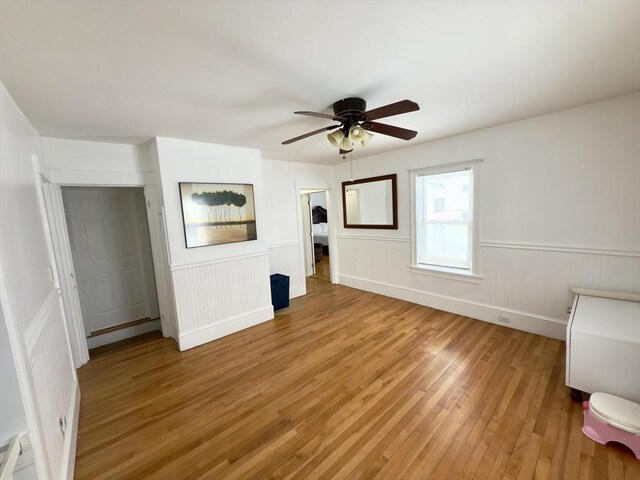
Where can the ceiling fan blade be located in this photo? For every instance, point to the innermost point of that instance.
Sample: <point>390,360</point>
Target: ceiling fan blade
<point>390,130</point>
<point>403,106</point>
<point>315,132</point>
<point>322,115</point>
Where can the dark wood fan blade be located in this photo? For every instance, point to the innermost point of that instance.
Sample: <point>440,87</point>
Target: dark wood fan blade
<point>322,115</point>
<point>403,106</point>
<point>390,130</point>
<point>315,132</point>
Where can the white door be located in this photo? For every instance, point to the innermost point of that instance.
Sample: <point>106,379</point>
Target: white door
<point>107,256</point>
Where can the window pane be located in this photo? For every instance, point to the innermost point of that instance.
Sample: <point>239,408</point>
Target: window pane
<point>447,196</point>
<point>444,219</point>
<point>444,244</point>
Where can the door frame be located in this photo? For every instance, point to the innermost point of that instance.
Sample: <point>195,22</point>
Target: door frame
<point>307,235</point>
<point>161,259</point>
<point>318,185</point>
<point>64,264</point>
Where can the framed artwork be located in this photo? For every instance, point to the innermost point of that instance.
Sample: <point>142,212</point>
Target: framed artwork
<point>217,213</point>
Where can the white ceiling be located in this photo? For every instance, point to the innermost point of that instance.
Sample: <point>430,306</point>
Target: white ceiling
<point>233,72</point>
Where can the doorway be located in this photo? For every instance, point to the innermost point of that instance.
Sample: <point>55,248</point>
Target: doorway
<point>112,258</point>
<point>316,226</point>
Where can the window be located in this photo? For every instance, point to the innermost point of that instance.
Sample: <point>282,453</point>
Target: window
<point>438,204</point>
<point>445,234</point>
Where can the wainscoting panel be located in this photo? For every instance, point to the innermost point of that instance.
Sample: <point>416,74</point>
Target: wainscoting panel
<point>285,258</point>
<point>539,281</point>
<point>218,298</point>
<point>531,282</point>
<point>55,384</point>
<point>376,258</point>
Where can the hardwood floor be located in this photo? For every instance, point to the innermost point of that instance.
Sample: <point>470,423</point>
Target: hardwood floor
<point>322,269</point>
<point>343,384</point>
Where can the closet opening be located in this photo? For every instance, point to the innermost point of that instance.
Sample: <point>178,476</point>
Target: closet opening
<point>110,244</point>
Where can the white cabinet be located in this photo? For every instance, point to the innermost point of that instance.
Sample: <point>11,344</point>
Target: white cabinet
<point>603,347</point>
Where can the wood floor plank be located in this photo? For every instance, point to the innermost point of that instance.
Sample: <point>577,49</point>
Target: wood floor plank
<point>343,384</point>
<point>587,452</point>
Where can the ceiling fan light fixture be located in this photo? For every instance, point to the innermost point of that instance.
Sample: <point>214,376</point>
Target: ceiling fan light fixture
<point>366,137</point>
<point>346,144</point>
<point>336,138</point>
<point>357,134</point>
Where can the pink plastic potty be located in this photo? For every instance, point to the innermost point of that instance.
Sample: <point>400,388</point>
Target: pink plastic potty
<point>608,418</point>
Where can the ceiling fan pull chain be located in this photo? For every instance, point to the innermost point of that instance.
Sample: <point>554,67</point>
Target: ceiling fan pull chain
<point>351,157</point>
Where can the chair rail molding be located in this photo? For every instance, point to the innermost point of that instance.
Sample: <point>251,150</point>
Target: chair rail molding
<point>185,266</point>
<point>543,247</point>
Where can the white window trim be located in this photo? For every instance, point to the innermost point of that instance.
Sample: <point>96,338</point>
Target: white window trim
<point>445,272</point>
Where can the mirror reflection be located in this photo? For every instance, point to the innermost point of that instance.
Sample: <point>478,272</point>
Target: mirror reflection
<point>370,203</point>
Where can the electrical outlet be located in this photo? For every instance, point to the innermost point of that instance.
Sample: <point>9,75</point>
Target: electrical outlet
<point>503,319</point>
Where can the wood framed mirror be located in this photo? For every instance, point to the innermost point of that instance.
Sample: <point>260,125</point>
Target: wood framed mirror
<point>371,203</point>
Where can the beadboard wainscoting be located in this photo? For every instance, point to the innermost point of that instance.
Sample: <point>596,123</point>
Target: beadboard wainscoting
<point>285,258</point>
<point>220,297</point>
<point>527,284</point>
<point>55,385</point>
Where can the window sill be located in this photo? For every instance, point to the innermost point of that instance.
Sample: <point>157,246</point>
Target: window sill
<point>446,273</point>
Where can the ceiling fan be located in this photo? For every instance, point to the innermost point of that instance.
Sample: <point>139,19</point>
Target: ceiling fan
<point>356,123</point>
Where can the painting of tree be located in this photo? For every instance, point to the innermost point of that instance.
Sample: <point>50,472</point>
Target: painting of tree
<point>216,213</point>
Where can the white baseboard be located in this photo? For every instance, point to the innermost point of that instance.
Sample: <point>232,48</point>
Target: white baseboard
<point>297,291</point>
<point>528,322</point>
<point>111,337</point>
<point>225,327</point>
<point>71,437</point>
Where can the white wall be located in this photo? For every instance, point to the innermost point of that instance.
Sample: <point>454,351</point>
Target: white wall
<point>13,420</point>
<point>30,300</point>
<point>218,289</point>
<point>77,162</point>
<point>282,213</point>
<point>559,208</point>
<point>23,249</point>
